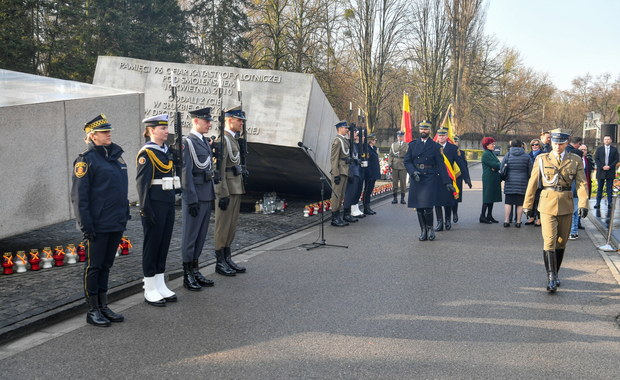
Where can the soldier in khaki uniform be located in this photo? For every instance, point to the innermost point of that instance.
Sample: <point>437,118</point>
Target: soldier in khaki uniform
<point>228,193</point>
<point>398,150</point>
<point>339,171</point>
<point>554,173</point>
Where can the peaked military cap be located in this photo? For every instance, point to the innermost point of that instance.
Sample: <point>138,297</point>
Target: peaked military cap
<point>559,135</point>
<point>400,133</point>
<point>342,124</point>
<point>457,139</point>
<point>372,136</point>
<point>100,123</point>
<point>235,112</point>
<point>442,131</point>
<point>156,120</point>
<point>204,113</point>
<point>425,124</point>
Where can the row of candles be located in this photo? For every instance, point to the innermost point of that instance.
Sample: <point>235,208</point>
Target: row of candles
<point>59,256</point>
<point>319,207</point>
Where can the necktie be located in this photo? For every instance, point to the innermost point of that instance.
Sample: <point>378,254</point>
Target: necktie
<point>560,158</point>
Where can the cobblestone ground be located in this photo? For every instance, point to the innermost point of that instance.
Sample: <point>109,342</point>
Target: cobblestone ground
<point>28,295</point>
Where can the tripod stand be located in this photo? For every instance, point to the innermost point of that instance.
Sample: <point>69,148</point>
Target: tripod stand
<point>323,179</point>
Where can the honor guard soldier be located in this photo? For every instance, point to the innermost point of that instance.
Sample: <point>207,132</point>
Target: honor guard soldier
<point>354,182</point>
<point>371,174</point>
<point>156,183</point>
<point>426,169</point>
<point>340,171</point>
<point>398,150</point>
<point>464,177</point>
<point>228,192</point>
<point>99,197</point>
<point>445,198</point>
<point>198,195</point>
<point>554,173</point>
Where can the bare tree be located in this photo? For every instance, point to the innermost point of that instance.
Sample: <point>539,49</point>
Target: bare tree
<point>270,23</point>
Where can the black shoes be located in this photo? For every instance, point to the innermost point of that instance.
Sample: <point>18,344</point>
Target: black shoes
<point>347,216</point>
<point>506,225</point>
<point>368,210</point>
<point>337,220</point>
<point>455,218</point>
<point>221,266</point>
<point>105,310</point>
<point>200,279</point>
<point>439,226</point>
<point>447,224</point>
<point>485,220</point>
<point>492,220</point>
<point>94,316</point>
<point>402,199</point>
<point>228,257</point>
<point>189,280</point>
<point>395,200</point>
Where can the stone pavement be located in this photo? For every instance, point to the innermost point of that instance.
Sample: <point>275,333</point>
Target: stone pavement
<point>32,300</point>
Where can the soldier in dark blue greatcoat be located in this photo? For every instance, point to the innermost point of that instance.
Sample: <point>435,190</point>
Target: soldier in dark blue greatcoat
<point>427,171</point>
<point>445,198</point>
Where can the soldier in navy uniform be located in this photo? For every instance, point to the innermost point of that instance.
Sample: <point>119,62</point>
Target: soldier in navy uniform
<point>197,198</point>
<point>445,198</point>
<point>352,193</point>
<point>99,197</point>
<point>464,177</point>
<point>156,183</point>
<point>371,174</point>
<point>428,175</point>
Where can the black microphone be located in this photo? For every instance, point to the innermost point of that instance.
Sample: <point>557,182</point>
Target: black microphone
<point>301,145</point>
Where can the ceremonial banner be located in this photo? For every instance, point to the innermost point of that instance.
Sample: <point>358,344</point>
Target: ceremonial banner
<point>405,123</point>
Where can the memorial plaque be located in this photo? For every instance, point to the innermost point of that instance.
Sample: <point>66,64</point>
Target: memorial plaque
<point>283,109</point>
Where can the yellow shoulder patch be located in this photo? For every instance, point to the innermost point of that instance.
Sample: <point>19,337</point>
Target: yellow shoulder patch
<point>80,169</point>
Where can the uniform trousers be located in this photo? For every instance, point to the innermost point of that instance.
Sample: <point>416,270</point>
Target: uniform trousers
<point>555,230</point>
<point>226,222</point>
<point>100,257</point>
<point>195,230</point>
<point>157,238</point>
<point>369,185</point>
<point>338,193</point>
<point>399,180</point>
<point>353,191</point>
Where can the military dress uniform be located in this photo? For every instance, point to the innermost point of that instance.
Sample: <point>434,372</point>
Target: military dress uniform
<point>464,177</point>
<point>371,175</point>
<point>396,157</point>
<point>555,175</point>
<point>427,170</point>
<point>339,160</point>
<point>156,183</point>
<point>354,185</point>
<point>197,199</point>
<point>99,198</point>
<point>228,198</point>
<point>445,198</point>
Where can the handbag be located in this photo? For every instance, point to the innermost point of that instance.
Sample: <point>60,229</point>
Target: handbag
<point>503,171</point>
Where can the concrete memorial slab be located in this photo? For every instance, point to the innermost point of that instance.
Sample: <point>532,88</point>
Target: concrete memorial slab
<point>42,120</point>
<point>283,109</point>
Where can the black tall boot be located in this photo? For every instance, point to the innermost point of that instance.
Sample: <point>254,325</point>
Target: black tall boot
<point>368,210</point>
<point>106,311</point>
<point>423,232</point>
<point>337,220</point>
<point>455,213</point>
<point>347,216</point>
<point>395,200</point>
<point>448,222</point>
<point>200,279</point>
<point>559,254</point>
<point>551,265</point>
<point>428,218</point>
<point>189,281</point>
<point>221,265</point>
<point>228,256</point>
<point>94,315</point>
<point>402,199</point>
<point>439,213</point>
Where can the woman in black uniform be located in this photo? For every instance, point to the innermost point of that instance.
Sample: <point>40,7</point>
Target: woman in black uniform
<point>156,183</point>
<point>99,197</point>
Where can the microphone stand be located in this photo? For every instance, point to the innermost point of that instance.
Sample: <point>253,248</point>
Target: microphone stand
<point>323,178</point>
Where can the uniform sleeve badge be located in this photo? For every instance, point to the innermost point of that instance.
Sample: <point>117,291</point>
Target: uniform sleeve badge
<point>121,161</point>
<point>142,160</point>
<point>80,169</point>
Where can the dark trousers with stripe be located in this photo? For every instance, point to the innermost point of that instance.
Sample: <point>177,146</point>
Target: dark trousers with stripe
<point>100,257</point>
<point>157,238</point>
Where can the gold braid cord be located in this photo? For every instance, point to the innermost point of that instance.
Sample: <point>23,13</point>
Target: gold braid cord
<point>157,163</point>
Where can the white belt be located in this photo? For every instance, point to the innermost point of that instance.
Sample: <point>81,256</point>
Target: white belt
<point>167,183</point>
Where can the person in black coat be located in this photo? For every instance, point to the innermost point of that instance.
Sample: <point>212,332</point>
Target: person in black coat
<point>429,176</point>
<point>464,177</point>
<point>371,174</point>
<point>99,197</point>
<point>606,158</point>
<point>445,198</point>
<point>352,193</point>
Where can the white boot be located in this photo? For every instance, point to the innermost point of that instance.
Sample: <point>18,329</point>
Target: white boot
<point>151,295</point>
<point>160,284</point>
<point>355,210</point>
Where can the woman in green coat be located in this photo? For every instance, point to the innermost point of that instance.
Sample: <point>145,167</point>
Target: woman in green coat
<point>491,183</point>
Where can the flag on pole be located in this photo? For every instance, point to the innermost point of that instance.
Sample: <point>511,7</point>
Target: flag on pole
<point>405,122</point>
<point>451,175</point>
<point>449,123</point>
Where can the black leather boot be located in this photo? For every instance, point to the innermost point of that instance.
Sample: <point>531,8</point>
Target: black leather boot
<point>105,310</point>
<point>551,266</point>
<point>94,315</point>
<point>228,256</point>
<point>200,279</point>
<point>347,216</point>
<point>455,213</point>
<point>439,213</point>
<point>402,199</point>
<point>395,200</point>
<point>428,217</point>
<point>368,210</point>
<point>189,281</point>
<point>423,231</point>
<point>221,265</point>
<point>337,219</point>
<point>559,254</point>
<point>448,223</point>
